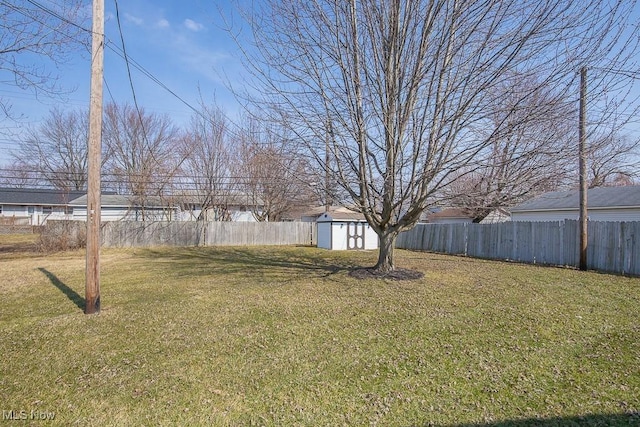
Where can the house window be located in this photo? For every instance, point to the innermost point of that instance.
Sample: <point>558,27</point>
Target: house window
<point>0,209</point>
<point>47,210</point>
<point>31,210</point>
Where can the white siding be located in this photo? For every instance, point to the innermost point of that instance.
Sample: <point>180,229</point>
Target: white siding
<point>544,216</point>
<point>37,217</point>
<point>106,214</point>
<point>242,216</point>
<point>236,215</point>
<point>12,210</point>
<point>620,214</point>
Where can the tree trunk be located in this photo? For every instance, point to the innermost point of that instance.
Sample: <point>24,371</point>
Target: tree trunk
<point>385,255</point>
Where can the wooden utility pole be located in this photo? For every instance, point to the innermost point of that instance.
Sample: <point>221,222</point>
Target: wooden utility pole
<point>582,136</point>
<point>327,175</point>
<point>92,285</point>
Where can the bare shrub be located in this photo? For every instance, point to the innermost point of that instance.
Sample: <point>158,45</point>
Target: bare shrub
<point>62,236</point>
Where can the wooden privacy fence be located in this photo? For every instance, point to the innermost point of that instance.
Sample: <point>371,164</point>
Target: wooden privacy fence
<point>178,233</point>
<point>612,246</point>
<point>18,229</point>
<point>184,233</point>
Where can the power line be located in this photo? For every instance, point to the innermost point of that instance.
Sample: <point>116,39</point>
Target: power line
<point>57,15</point>
<point>110,45</point>
<point>126,60</point>
<point>130,62</point>
<point>133,90</point>
<point>126,178</point>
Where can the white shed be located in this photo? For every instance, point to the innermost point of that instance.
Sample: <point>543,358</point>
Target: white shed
<point>345,231</point>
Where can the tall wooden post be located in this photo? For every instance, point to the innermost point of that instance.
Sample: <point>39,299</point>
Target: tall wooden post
<point>92,285</point>
<point>327,175</point>
<point>582,136</point>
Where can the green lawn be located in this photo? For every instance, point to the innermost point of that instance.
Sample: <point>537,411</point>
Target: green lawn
<point>284,336</point>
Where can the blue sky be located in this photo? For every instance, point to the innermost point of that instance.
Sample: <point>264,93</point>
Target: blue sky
<point>181,43</point>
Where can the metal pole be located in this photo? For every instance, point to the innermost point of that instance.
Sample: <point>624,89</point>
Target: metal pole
<point>92,285</point>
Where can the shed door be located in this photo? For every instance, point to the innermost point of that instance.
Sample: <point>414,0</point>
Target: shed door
<point>355,235</point>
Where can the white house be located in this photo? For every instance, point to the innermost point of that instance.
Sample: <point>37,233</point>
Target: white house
<point>24,206</point>
<point>345,230</point>
<point>462,216</point>
<point>115,207</point>
<point>233,207</point>
<point>496,216</point>
<point>32,206</point>
<point>603,204</point>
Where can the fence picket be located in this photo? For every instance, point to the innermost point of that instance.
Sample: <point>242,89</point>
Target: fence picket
<point>613,246</point>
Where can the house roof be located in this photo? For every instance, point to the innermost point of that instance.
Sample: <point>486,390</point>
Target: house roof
<point>105,200</point>
<point>449,213</point>
<point>231,198</point>
<point>117,200</point>
<point>597,198</point>
<point>319,210</point>
<point>37,196</point>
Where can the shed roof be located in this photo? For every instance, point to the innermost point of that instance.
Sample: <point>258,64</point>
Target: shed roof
<point>597,198</point>
<point>37,196</point>
<point>341,216</point>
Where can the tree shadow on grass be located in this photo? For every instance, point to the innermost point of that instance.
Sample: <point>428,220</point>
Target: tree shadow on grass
<point>230,260</point>
<point>66,290</point>
<point>592,420</point>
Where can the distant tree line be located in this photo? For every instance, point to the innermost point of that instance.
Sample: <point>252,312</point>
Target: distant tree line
<point>208,164</point>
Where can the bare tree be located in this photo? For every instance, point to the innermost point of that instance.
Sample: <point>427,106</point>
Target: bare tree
<point>402,86</point>
<point>532,153</point>
<point>31,32</point>
<point>536,151</point>
<point>207,169</point>
<point>20,175</point>
<point>143,154</point>
<point>272,174</point>
<point>613,160</point>
<point>57,150</point>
